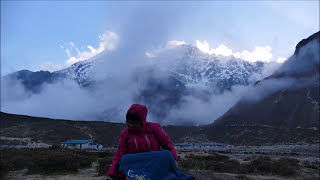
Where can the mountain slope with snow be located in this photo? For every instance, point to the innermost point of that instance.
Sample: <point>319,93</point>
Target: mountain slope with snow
<point>188,65</point>
<point>166,83</point>
<point>81,72</point>
<point>197,69</point>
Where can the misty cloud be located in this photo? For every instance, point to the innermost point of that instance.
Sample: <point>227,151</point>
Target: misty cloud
<point>120,78</point>
<point>65,100</point>
<point>306,61</point>
<point>299,71</point>
<point>12,91</point>
<point>258,54</point>
<point>221,50</point>
<point>170,44</point>
<point>118,84</point>
<point>51,67</point>
<point>268,70</point>
<point>108,41</point>
<point>197,111</point>
<point>281,59</point>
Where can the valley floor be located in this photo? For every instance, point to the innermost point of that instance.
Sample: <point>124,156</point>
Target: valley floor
<point>305,171</point>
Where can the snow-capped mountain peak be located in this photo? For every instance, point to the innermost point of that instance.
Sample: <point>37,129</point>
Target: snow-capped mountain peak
<point>194,68</point>
<point>185,63</point>
<point>80,71</point>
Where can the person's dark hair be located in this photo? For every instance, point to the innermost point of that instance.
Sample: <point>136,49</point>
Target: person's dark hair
<point>132,117</point>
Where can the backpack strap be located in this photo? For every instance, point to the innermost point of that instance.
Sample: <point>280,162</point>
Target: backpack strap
<point>126,139</point>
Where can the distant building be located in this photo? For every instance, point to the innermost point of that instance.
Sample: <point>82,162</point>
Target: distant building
<point>183,146</point>
<point>82,144</point>
<point>211,145</point>
<point>204,145</point>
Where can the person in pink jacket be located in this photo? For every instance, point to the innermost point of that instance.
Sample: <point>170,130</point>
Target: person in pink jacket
<point>140,136</point>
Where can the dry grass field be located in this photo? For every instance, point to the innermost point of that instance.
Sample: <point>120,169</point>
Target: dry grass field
<point>74,164</point>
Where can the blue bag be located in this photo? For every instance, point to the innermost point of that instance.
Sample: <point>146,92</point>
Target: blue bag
<point>158,165</point>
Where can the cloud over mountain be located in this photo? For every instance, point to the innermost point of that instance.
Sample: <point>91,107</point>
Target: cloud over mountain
<point>258,54</point>
<point>102,88</point>
<point>108,41</point>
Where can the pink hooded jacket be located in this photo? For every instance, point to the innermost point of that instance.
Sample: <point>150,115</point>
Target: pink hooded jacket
<point>145,139</point>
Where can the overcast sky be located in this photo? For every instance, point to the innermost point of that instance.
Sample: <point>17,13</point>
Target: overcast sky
<point>40,35</point>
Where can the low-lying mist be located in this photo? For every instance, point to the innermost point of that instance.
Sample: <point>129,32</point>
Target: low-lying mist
<point>108,99</point>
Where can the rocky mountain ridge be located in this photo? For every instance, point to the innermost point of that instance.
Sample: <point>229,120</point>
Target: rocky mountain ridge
<point>54,131</point>
<point>289,109</point>
<point>188,65</point>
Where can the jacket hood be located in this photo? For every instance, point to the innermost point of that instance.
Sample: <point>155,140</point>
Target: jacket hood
<point>139,110</point>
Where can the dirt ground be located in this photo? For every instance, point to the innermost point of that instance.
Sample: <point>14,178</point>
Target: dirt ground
<point>91,174</point>
<point>83,174</point>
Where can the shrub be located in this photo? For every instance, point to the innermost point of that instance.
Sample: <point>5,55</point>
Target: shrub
<point>228,166</point>
<point>55,146</point>
<point>215,163</point>
<point>286,166</point>
<point>265,165</point>
<point>4,168</point>
<point>52,162</point>
<point>104,165</point>
<point>262,164</point>
<point>312,165</point>
<point>105,154</point>
<point>257,164</point>
<point>249,158</point>
<point>45,161</point>
<point>242,177</point>
<point>14,160</point>
<point>104,161</point>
